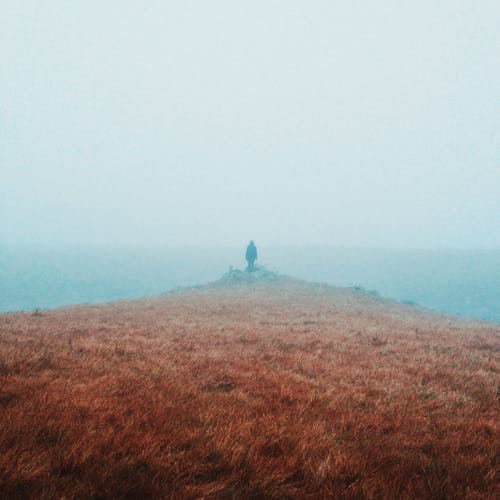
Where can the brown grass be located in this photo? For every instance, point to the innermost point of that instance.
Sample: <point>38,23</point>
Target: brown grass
<point>284,390</point>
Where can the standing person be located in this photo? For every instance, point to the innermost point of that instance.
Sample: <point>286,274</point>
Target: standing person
<point>251,256</point>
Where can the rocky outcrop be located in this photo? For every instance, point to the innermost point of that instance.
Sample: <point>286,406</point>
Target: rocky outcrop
<point>239,277</point>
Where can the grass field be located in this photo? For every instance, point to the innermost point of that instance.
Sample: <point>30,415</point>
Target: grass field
<point>272,390</point>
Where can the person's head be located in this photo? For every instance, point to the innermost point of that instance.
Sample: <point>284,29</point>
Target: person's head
<point>251,243</point>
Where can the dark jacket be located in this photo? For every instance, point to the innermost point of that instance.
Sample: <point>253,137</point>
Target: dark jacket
<point>251,253</point>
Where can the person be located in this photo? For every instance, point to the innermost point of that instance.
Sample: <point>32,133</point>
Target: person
<point>251,256</point>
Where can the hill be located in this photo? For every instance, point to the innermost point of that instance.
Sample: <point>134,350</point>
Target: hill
<point>268,388</point>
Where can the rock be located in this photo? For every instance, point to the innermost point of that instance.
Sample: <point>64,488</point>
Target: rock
<point>237,276</point>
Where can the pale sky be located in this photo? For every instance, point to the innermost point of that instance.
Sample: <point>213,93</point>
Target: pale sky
<point>364,123</point>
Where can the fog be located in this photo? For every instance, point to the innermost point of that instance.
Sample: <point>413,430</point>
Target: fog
<point>196,123</point>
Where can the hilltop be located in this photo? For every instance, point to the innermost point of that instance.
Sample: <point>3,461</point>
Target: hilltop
<point>250,387</point>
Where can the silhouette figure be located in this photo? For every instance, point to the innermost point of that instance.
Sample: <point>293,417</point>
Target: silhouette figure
<point>251,256</point>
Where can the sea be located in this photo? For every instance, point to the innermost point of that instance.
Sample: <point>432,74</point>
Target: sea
<point>465,283</point>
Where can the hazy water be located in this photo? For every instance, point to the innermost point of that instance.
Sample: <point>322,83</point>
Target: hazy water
<point>466,283</point>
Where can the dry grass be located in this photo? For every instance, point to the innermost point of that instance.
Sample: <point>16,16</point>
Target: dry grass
<point>283,390</point>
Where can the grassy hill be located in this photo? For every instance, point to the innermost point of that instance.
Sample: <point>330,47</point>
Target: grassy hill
<point>266,389</point>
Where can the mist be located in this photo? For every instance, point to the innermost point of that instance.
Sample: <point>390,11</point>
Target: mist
<point>210,123</point>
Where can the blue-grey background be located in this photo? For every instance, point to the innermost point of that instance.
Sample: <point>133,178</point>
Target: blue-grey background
<point>128,128</point>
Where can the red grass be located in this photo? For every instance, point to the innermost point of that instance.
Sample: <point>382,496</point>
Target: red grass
<point>274,390</point>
